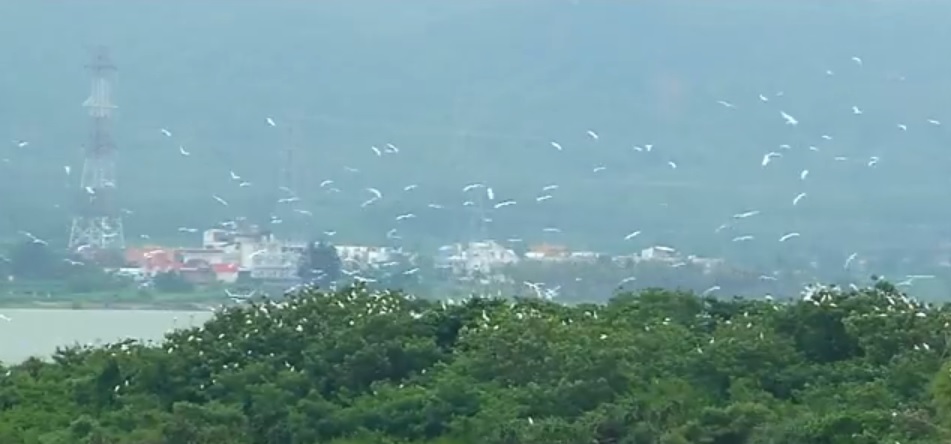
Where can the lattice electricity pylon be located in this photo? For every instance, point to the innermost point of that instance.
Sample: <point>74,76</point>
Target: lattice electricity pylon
<point>97,223</point>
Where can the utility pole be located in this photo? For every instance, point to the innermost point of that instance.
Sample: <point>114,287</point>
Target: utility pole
<point>96,223</point>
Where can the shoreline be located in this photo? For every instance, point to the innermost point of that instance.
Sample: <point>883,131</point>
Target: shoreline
<point>94,305</point>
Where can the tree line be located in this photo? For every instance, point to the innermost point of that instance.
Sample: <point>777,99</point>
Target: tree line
<point>360,366</point>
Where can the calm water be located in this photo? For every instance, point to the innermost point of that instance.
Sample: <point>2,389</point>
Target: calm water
<point>38,332</point>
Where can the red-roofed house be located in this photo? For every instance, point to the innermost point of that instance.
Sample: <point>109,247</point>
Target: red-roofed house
<point>227,273</point>
<point>152,260</point>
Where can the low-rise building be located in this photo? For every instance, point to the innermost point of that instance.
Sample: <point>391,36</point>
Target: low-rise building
<point>476,257</point>
<point>584,256</point>
<point>274,264</point>
<point>659,253</point>
<point>548,253</point>
<point>153,259</point>
<point>362,257</point>
<point>227,273</point>
<point>209,256</point>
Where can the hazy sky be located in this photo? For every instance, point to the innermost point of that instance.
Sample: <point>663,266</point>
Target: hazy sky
<point>475,91</point>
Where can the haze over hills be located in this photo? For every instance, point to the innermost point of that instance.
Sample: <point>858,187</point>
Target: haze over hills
<point>475,92</point>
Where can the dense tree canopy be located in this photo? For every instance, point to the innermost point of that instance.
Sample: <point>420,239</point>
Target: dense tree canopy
<point>320,264</point>
<point>356,366</point>
<point>35,262</point>
<point>172,282</point>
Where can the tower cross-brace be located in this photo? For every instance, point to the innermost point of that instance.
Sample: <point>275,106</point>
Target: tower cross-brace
<point>97,223</point>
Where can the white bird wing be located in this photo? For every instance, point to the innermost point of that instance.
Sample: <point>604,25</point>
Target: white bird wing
<point>788,236</point>
<point>790,120</point>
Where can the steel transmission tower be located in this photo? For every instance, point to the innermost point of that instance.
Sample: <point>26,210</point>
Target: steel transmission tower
<point>287,177</point>
<point>285,194</point>
<point>97,223</point>
<point>480,219</point>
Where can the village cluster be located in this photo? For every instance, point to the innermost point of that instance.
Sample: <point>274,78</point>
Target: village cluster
<point>225,255</point>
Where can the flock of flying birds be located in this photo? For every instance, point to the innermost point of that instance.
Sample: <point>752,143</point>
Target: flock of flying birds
<point>477,194</point>
<point>373,195</point>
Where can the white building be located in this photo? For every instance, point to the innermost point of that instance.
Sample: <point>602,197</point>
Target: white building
<point>274,264</point>
<point>360,257</point>
<point>257,252</point>
<point>659,253</point>
<point>475,257</point>
<point>584,256</point>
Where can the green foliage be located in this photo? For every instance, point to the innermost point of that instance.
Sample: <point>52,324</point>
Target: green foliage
<point>357,366</point>
<point>34,260</point>
<point>172,282</point>
<point>34,264</point>
<point>320,264</point>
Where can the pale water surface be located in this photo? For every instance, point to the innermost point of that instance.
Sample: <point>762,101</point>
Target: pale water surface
<point>38,332</point>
